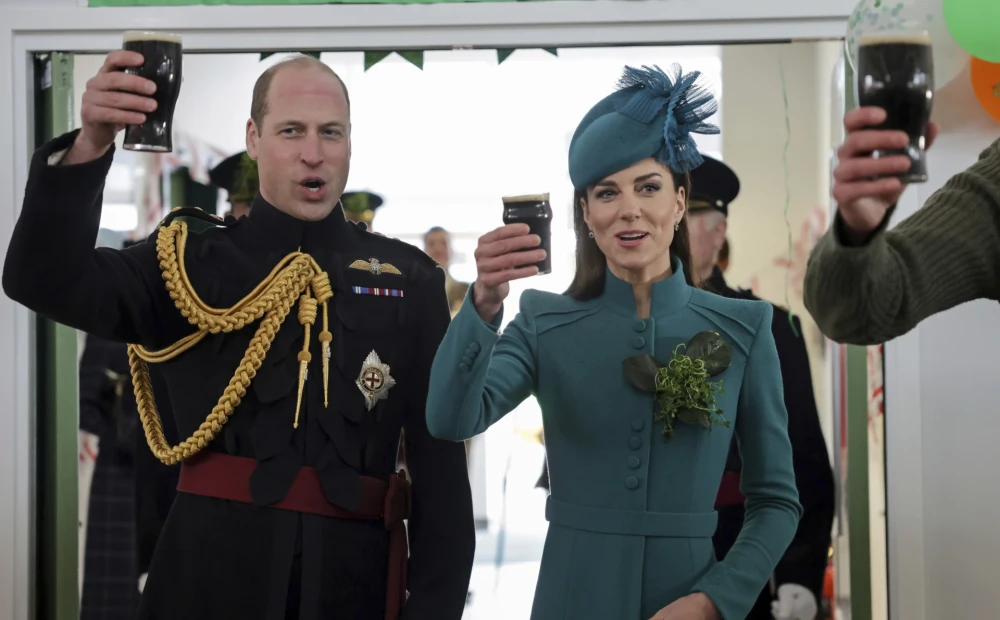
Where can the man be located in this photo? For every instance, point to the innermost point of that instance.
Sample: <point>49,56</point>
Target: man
<point>437,244</point>
<point>866,285</point>
<point>294,346</point>
<point>237,174</point>
<point>799,575</point>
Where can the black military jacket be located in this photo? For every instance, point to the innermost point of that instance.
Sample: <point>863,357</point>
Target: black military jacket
<point>218,559</point>
<point>805,561</point>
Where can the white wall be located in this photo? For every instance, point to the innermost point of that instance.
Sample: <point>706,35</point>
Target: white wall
<point>753,144</point>
<point>956,379</point>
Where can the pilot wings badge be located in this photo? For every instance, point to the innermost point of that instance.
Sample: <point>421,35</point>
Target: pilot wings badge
<point>374,380</point>
<point>375,267</point>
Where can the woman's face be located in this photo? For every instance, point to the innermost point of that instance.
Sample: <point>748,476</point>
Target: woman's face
<point>632,214</point>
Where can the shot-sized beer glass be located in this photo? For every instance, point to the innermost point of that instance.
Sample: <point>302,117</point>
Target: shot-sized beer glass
<point>161,54</point>
<point>896,73</point>
<point>536,212</point>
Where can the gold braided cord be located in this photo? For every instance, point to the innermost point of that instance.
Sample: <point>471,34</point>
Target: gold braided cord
<point>296,278</point>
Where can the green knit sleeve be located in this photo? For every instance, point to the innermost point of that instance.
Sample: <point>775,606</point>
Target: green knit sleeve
<point>945,254</point>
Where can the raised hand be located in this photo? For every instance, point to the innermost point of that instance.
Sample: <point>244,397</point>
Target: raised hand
<point>112,100</point>
<point>500,259</point>
<point>863,198</point>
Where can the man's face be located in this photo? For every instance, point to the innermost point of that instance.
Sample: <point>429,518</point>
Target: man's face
<point>707,230</point>
<point>437,247</point>
<point>303,148</point>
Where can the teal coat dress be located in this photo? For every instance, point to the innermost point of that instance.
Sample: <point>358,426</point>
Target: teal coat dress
<point>631,514</point>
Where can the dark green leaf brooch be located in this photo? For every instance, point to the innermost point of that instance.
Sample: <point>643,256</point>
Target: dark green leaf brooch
<point>681,387</point>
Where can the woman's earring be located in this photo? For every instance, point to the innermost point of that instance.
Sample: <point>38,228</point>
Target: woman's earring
<point>590,234</point>
<point>677,227</point>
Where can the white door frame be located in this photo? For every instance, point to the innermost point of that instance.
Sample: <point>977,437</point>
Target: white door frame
<point>348,27</point>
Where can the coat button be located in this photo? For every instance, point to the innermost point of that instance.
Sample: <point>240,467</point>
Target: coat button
<point>640,326</point>
<point>634,462</point>
<point>632,482</point>
<point>638,342</point>
<point>475,348</point>
<point>464,367</point>
<point>637,424</point>
<point>635,443</point>
<point>467,360</point>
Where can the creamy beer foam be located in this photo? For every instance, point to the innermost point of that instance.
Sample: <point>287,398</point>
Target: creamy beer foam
<point>896,38</point>
<point>136,36</point>
<point>526,198</point>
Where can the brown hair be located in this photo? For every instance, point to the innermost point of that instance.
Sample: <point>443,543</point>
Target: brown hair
<point>588,282</point>
<point>258,106</point>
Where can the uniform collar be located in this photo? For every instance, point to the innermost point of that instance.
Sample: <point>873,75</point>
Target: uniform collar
<point>271,229</point>
<point>668,296</point>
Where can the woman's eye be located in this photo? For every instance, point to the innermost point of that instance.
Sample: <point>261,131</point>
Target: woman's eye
<point>649,188</point>
<point>605,194</point>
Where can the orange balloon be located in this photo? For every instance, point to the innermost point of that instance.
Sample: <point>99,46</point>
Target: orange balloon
<point>986,84</point>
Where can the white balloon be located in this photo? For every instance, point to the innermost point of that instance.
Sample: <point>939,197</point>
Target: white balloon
<point>872,16</point>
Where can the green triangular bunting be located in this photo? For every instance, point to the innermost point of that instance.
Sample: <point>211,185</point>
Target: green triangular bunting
<point>504,54</point>
<point>264,55</point>
<point>415,58</point>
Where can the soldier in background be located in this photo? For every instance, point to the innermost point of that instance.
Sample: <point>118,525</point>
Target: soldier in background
<point>437,244</point>
<point>361,206</point>
<point>723,262</point>
<point>237,174</point>
<point>799,575</point>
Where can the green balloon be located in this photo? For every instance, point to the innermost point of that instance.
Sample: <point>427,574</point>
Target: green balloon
<point>975,25</point>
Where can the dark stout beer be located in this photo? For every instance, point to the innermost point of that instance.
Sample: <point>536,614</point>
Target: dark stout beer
<point>161,54</point>
<point>896,73</point>
<point>536,212</point>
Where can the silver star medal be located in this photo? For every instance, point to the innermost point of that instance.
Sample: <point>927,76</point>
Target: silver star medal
<point>374,380</point>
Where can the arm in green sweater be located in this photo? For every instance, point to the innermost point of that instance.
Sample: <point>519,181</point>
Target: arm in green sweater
<point>944,255</point>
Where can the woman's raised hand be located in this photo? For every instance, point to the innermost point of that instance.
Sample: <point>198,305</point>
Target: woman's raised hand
<point>500,258</point>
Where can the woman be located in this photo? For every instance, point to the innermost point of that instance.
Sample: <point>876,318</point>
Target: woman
<point>634,467</point>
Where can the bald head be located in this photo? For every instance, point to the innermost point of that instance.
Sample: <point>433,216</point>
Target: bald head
<point>261,89</point>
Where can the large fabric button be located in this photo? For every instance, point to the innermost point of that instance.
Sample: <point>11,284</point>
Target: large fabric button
<point>638,342</point>
<point>640,326</point>
<point>475,348</point>
<point>637,424</point>
<point>464,367</point>
<point>635,443</point>
<point>634,462</point>
<point>632,482</point>
<point>467,360</point>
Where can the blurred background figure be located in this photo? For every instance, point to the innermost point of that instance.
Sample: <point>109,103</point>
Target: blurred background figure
<point>437,244</point>
<point>361,206</point>
<point>723,262</point>
<point>237,174</point>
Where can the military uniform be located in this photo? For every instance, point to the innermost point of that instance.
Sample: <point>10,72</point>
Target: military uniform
<point>290,506</point>
<point>714,186</point>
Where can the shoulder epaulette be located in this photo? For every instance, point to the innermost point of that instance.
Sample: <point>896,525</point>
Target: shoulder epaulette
<point>194,215</point>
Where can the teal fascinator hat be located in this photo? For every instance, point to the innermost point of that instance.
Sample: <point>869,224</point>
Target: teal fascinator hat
<point>651,114</point>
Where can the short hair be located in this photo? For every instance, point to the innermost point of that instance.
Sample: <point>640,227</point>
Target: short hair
<point>258,106</point>
<point>433,230</point>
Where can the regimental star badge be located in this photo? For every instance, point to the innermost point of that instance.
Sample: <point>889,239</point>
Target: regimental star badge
<point>374,266</point>
<point>374,380</point>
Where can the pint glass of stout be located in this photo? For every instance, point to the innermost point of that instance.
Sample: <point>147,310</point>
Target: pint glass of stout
<point>161,54</point>
<point>896,73</point>
<point>536,212</point>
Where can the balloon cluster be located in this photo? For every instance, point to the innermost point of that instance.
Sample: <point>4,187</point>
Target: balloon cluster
<point>961,31</point>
